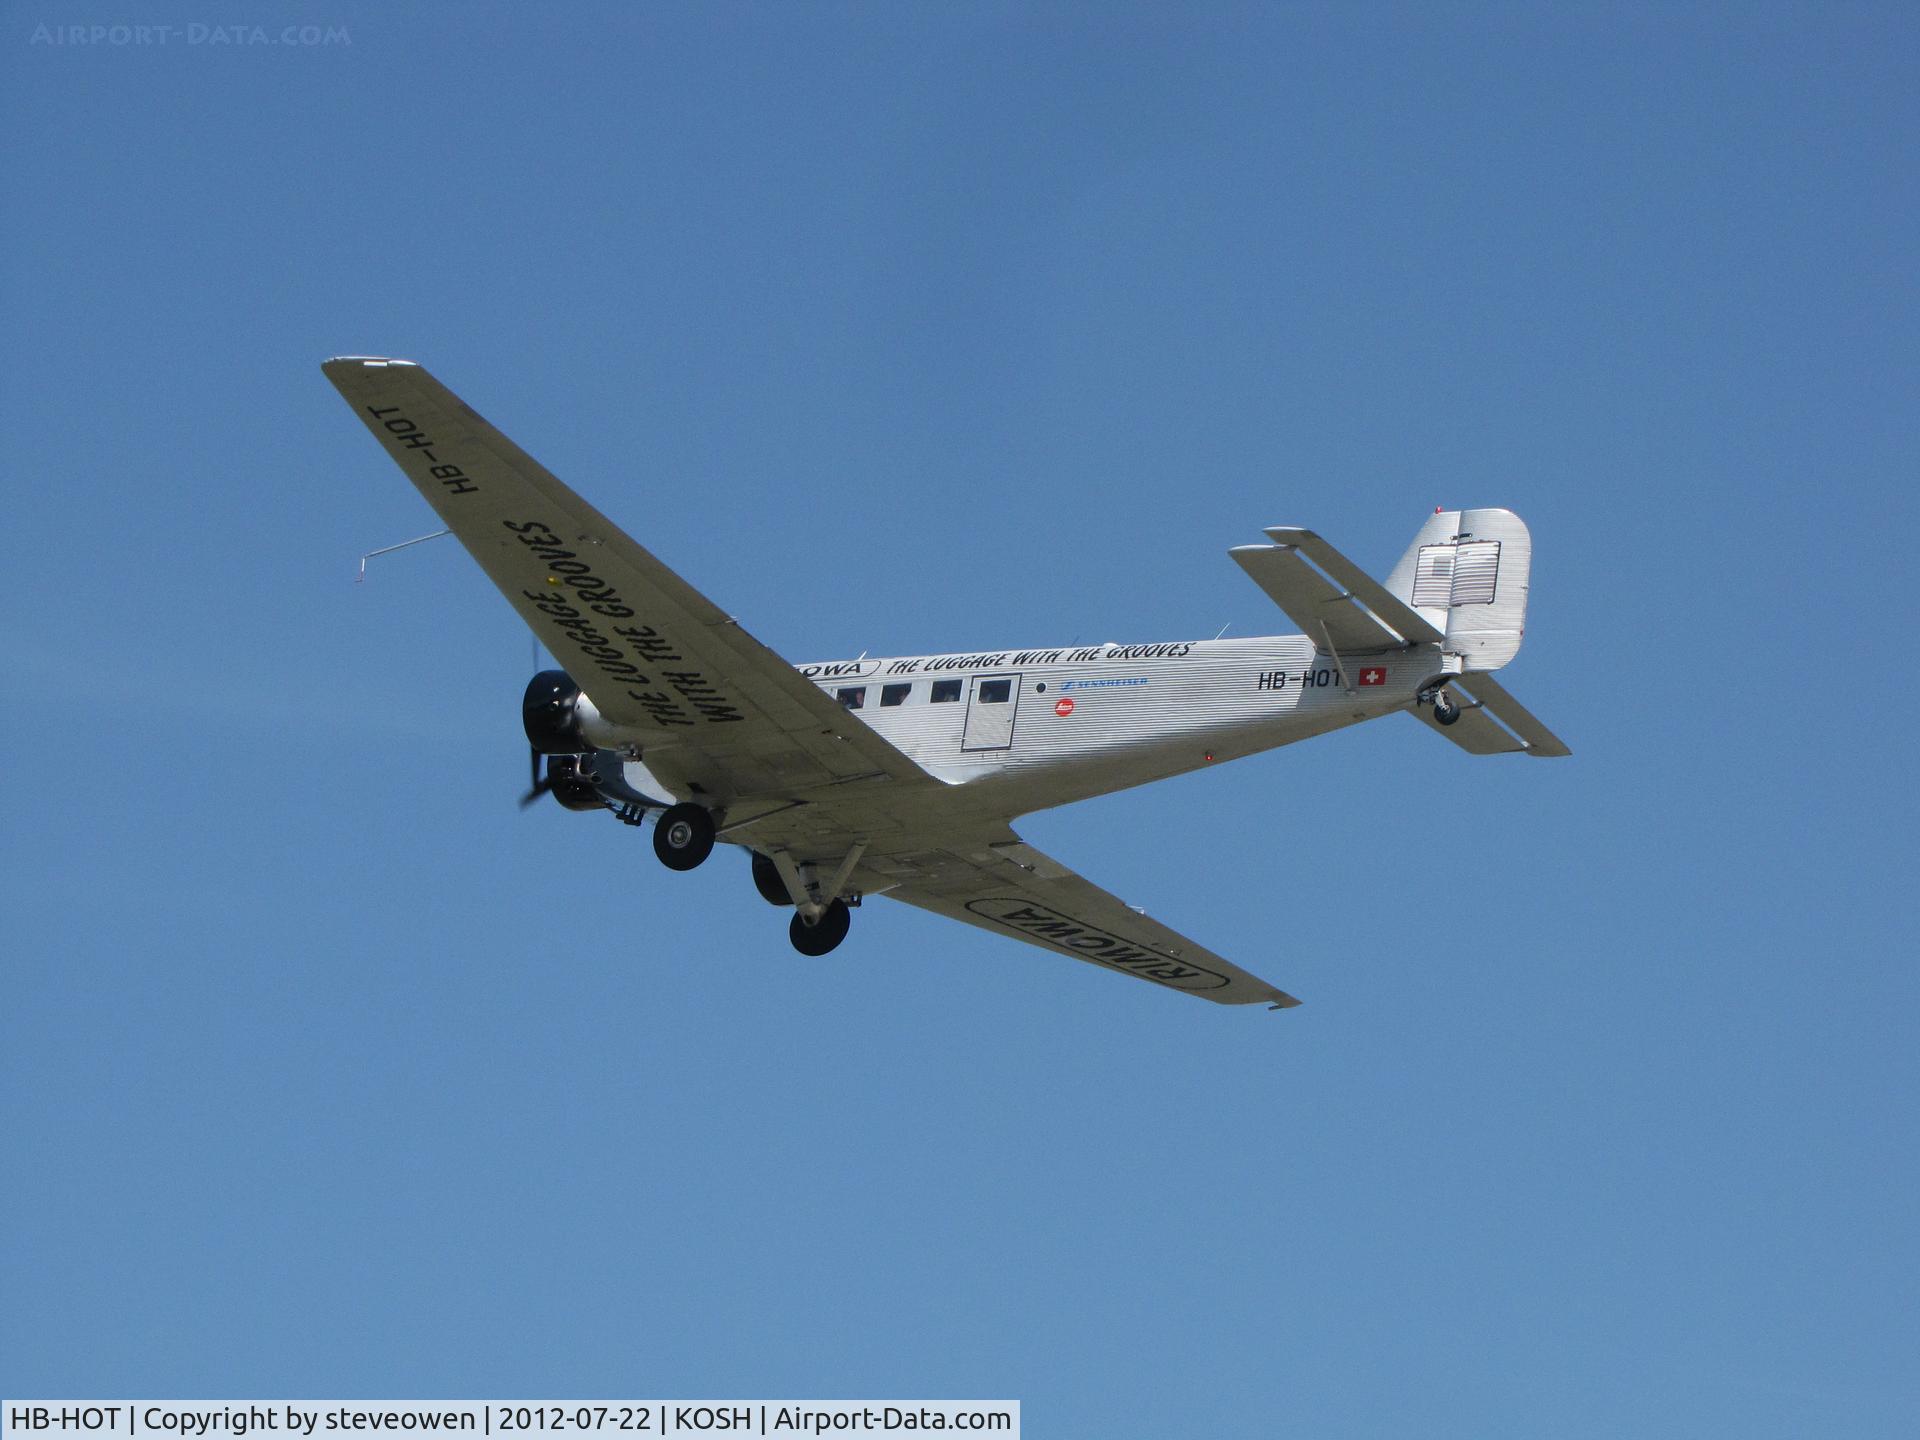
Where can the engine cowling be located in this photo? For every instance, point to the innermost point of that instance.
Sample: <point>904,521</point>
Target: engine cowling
<point>550,711</point>
<point>560,720</point>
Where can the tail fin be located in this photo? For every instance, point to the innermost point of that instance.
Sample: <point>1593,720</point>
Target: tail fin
<point>1462,587</point>
<point>1466,574</point>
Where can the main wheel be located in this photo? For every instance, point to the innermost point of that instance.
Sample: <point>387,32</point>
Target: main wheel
<point>1444,708</point>
<point>766,879</point>
<point>825,933</point>
<point>683,836</point>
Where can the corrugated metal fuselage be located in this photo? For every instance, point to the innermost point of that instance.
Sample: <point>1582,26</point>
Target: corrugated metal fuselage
<point>1065,724</point>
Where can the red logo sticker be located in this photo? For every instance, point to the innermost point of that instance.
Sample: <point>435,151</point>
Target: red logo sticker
<point>1063,706</point>
<point>1373,675</point>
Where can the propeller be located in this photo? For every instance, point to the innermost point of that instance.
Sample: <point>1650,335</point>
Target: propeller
<point>540,786</point>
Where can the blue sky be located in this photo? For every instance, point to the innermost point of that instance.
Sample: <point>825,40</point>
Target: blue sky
<point>904,328</point>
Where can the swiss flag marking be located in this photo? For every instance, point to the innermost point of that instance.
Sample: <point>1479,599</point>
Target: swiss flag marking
<point>1373,675</point>
<point>1063,706</point>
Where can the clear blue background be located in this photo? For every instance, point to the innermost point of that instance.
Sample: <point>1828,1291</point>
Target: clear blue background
<point>327,1072</point>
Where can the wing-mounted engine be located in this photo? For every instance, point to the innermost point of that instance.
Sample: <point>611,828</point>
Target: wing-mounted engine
<point>550,711</point>
<point>561,719</point>
<point>591,764</point>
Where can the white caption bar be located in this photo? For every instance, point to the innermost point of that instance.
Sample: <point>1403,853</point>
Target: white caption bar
<point>609,1419</point>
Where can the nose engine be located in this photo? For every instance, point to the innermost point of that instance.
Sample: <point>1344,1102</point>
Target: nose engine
<point>570,780</point>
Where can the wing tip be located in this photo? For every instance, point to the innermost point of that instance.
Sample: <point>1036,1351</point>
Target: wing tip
<point>337,363</point>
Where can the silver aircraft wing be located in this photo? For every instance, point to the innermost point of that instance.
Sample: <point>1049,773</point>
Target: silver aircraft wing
<point>997,881</point>
<point>722,715</point>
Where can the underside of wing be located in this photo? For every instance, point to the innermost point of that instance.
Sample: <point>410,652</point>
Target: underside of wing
<point>718,713</point>
<point>998,882</point>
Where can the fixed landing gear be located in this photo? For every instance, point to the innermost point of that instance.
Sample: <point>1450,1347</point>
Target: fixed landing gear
<point>683,836</point>
<point>820,936</point>
<point>1446,709</point>
<point>818,925</point>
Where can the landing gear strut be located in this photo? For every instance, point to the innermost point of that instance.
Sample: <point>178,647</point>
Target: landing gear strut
<point>1446,709</point>
<point>683,836</point>
<point>823,934</point>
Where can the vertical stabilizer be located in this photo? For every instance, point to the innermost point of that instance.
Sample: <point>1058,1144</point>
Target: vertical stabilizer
<point>1466,574</point>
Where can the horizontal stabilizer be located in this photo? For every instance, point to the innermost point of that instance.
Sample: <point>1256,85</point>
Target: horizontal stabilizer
<point>1332,600</point>
<point>1491,721</point>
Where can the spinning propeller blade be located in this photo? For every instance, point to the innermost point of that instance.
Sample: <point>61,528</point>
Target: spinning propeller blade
<point>539,786</point>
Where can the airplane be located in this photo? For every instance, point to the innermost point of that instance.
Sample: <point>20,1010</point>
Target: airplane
<point>901,777</point>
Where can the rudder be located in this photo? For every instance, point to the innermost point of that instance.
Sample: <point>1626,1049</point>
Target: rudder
<point>1466,574</point>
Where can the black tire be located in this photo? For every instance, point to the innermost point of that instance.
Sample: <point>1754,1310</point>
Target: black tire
<point>766,879</point>
<point>821,937</point>
<point>1445,711</point>
<point>683,836</point>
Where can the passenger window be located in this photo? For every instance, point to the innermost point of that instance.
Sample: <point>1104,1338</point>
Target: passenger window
<point>945,690</point>
<point>854,697</point>
<point>995,692</point>
<point>894,694</point>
